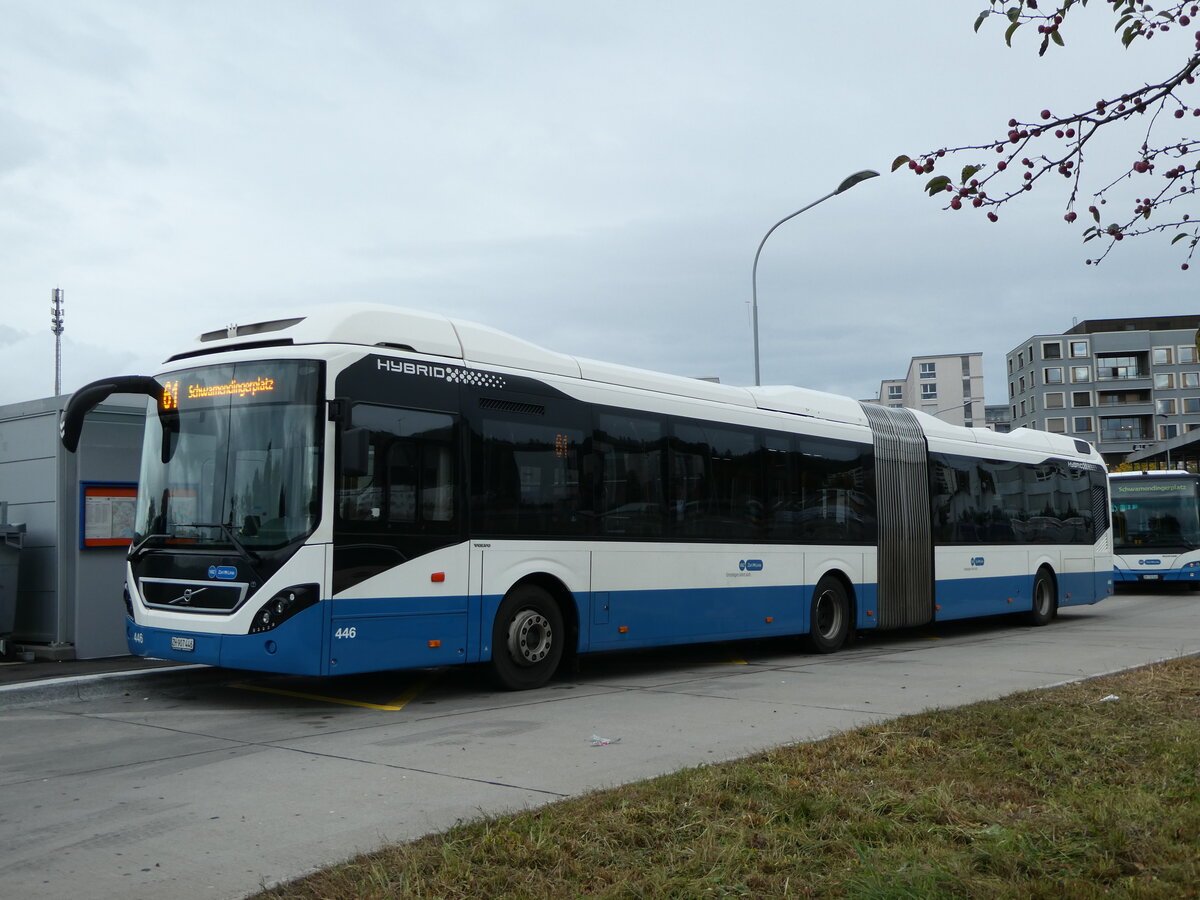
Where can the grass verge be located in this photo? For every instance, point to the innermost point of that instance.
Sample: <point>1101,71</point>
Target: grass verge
<point>1054,793</point>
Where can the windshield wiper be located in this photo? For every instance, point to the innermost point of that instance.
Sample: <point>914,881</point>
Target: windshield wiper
<point>241,548</point>
<point>139,548</point>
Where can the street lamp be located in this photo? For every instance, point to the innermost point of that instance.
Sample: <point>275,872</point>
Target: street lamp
<point>846,184</point>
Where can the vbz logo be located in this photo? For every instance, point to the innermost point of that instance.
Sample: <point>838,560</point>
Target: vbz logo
<point>976,560</point>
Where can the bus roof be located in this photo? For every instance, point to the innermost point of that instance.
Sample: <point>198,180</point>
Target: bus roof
<point>432,334</point>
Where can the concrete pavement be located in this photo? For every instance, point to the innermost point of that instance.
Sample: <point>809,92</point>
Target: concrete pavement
<point>199,784</point>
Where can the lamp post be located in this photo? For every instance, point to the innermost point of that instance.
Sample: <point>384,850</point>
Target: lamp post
<point>846,184</point>
<point>1166,439</point>
<point>966,403</point>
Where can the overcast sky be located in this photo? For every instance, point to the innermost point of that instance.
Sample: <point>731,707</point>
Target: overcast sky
<point>591,177</point>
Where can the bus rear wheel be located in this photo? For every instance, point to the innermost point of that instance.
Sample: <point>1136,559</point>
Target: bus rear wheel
<point>829,616</point>
<point>1045,600</point>
<point>527,639</point>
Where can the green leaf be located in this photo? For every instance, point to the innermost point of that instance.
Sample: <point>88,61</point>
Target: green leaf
<point>982,16</point>
<point>968,171</point>
<point>1009,32</point>
<point>1057,38</point>
<point>899,161</point>
<point>1013,12</point>
<point>1095,214</point>
<point>937,184</point>
<point>1178,238</point>
<point>1121,22</point>
<point>1130,33</point>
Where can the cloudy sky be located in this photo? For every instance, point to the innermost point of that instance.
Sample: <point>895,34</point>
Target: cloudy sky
<point>591,177</point>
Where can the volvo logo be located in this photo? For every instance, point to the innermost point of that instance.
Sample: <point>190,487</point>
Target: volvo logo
<point>186,598</point>
<point>977,560</point>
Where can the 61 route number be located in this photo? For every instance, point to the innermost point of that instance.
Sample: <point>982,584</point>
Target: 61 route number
<point>350,632</point>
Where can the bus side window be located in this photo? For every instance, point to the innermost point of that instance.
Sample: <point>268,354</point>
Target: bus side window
<point>410,478</point>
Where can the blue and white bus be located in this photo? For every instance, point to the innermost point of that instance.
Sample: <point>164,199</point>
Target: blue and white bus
<point>1156,528</point>
<point>368,488</point>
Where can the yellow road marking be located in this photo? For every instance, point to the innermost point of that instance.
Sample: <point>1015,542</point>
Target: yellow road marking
<point>736,662</point>
<point>395,706</point>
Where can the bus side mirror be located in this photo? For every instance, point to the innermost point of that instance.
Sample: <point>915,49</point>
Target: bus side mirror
<point>356,443</point>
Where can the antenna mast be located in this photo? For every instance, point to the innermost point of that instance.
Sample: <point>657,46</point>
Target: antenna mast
<point>58,324</point>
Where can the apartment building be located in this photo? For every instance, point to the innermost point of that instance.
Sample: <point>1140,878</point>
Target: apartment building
<point>948,386</point>
<point>1122,384</point>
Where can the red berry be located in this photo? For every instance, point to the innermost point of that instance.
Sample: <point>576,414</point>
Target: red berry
<point>992,217</point>
<point>1070,217</point>
<point>956,203</point>
<point>1002,165</point>
<point>1184,267</point>
<point>1045,113</point>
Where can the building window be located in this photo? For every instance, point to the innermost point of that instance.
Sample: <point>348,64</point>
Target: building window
<point>1165,407</point>
<point>1189,379</point>
<point>895,391</point>
<point>929,370</point>
<point>1055,400</point>
<point>1056,425</point>
<point>895,406</point>
<point>1022,407</point>
<point>1191,404</point>
<point>1011,390</point>
<point>1010,365</point>
<point>1081,374</point>
<point>1021,360</point>
<point>929,392</point>
<point>1053,375</point>
<point>966,388</point>
<point>1079,349</point>
<point>1083,424</point>
<point>1186,354</point>
<point>1052,350</point>
<point>1033,404</point>
<point>1164,382</point>
<point>1166,432</point>
<point>1081,398</point>
<point>1014,411</point>
<point>1161,356</point>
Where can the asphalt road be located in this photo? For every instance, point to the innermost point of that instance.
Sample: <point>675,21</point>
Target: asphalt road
<point>161,786</point>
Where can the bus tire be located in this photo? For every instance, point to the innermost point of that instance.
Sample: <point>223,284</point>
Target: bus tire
<point>527,639</point>
<point>829,616</point>
<point>1045,599</point>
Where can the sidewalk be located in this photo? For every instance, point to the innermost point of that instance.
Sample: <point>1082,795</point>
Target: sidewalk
<point>22,683</point>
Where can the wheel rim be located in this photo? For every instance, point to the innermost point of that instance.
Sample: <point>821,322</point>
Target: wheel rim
<point>530,637</point>
<point>828,615</point>
<point>1042,600</point>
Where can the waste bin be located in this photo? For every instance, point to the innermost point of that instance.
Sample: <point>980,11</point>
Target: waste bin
<point>12,537</point>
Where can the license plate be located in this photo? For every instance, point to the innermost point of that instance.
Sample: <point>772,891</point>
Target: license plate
<point>1153,577</point>
<point>182,643</point>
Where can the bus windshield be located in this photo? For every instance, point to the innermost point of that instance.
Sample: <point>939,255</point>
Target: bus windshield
<point>1155,513</point>
<point>231,456</point>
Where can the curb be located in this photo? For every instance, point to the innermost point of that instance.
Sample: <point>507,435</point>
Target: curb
<point>106,684</point>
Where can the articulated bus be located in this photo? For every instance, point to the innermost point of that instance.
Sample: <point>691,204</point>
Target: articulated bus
<point>367,488</point>
<point>1156,528</point>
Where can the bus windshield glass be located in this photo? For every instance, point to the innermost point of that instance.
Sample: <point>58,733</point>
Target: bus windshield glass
<point>231,457</point>
<point>1155,513</point>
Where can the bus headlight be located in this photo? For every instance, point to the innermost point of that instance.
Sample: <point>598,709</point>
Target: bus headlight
<point>283,606</point>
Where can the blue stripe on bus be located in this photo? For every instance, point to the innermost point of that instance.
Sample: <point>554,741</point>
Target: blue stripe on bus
<point>343,636</point>
<point>1181,574</point>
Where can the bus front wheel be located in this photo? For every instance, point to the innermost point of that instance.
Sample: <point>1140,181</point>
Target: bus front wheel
<point>1045,599</point>
<point>527,639</point>
<point>829,616</point>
